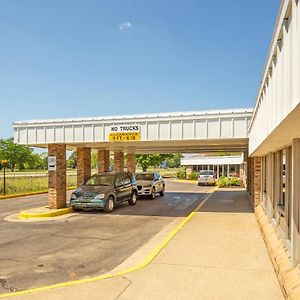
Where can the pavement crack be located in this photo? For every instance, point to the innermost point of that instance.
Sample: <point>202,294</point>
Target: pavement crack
<point>6,286</point>
<point>129,283</point>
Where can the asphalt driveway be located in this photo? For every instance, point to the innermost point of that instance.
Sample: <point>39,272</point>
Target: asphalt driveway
<point>86,244</point>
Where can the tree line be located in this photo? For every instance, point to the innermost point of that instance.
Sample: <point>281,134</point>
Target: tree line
<point>21,157</point>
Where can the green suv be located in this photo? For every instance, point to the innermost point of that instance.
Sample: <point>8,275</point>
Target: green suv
<point>104,191</point>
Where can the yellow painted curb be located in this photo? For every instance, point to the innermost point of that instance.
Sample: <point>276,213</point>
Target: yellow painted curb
<point>30,194</point>
<point>139,266</point>
<point>186,180</point>
<point>26,214</point>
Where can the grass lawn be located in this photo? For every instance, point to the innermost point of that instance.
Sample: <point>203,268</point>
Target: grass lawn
<point>25,184</point>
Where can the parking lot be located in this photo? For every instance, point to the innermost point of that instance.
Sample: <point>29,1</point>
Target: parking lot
<point>85,244</point>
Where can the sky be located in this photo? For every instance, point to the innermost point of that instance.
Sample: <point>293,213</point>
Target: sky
<point>71,58</point>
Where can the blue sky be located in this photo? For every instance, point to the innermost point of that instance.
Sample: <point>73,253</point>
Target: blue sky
<point>70,58</point>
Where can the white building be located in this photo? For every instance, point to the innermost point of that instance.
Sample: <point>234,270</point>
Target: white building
<point>229,166</point>
<point>270,135</point>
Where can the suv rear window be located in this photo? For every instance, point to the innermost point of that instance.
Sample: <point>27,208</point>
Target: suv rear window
<point>100,180</point>
<point>127,178</point>
<point>147,176</point>
<point>206,172</point>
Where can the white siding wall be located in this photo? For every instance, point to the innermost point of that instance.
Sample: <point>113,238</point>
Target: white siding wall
<point>279,92</point>
<point>197,126</point>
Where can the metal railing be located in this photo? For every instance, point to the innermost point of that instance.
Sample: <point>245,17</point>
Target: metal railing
<point>25,183</point>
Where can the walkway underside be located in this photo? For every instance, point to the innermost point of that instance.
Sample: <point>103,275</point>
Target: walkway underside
<point>178,146</point>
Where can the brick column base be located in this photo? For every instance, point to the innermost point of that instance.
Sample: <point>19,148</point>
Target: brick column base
<point>83,164</point>
<point>118,161</point>
<point>131,162</point>
<point>57,179</point>
<point>103,161</point>
<point>254,179</point>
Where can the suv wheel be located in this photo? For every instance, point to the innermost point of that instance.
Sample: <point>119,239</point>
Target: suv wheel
<point>132,200</point>
<point>153,193</point>
<point>162,192</point>
<point>110,205</point>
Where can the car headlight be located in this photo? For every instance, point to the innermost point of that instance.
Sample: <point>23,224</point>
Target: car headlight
<point>99,196</point>
<point>73,196</point>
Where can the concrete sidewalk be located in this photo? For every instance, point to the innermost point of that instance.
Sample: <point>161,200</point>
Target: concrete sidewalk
<point>219,254</point>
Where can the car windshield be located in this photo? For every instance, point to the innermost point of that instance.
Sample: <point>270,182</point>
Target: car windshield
<point>100,180</point>
<point>148,176</point>
<point>204,172</point>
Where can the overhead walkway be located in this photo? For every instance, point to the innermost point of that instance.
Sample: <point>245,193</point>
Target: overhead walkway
<point>185,132</point>
<point>182,132</point>
<point>218,254</point>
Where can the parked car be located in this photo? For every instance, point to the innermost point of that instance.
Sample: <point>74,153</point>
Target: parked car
<point>206,177</point>
<point>105,191</point>
<point>149,184</point>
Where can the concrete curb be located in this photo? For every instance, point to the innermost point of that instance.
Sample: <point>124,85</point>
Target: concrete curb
<point>288,277</point>
<point>38,213</point>
<point>186,181</point>
<point>146,261</point>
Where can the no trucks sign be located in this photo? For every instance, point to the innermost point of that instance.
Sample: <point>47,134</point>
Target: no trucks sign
<point>125,133</point>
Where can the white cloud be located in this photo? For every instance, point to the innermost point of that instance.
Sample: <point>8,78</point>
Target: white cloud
<point>125,25</point>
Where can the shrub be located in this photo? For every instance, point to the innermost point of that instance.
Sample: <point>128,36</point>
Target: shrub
<point>193,176</point>
<point>181,174</point>
<point>224,181</point>
<point>235,181</point>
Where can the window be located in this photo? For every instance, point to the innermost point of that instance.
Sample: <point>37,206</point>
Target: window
<point>127,179</point>
<point>144,176</point>
<point>281,200</point>
<point>100,180</point>
<point>264,170</point>
<point>119,180</point>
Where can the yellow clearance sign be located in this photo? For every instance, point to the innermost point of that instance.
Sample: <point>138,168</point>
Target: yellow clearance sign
<point>124,136</point>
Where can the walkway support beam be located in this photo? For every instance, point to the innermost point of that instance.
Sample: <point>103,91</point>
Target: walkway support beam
<point>255,180</point>
<point>103,161</point>
<point>83,164</point>
<point>131,162</point>
<point>57,186</point>
<point>118,161</point>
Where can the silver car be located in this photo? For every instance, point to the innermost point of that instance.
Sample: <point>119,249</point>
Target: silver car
<point>149,184</point>
<point>206,177</point>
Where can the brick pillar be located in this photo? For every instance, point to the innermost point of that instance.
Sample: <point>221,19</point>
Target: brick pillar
<point>83,164</point>
<point>118,161</point>
<point>249,174</point>
<point>256,180</point>
<point>131,162</point>
<point>103,161</point>
<point>243,170</point>
<point>57,179</point>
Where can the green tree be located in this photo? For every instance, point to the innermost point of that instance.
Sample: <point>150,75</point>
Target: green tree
<point>36,163</point>
<point>17,155</point>
<point>94,160</point>
<point>173,160</point>
<point>72,160</point>
<point>147,160</point>
<point>151,160</point>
